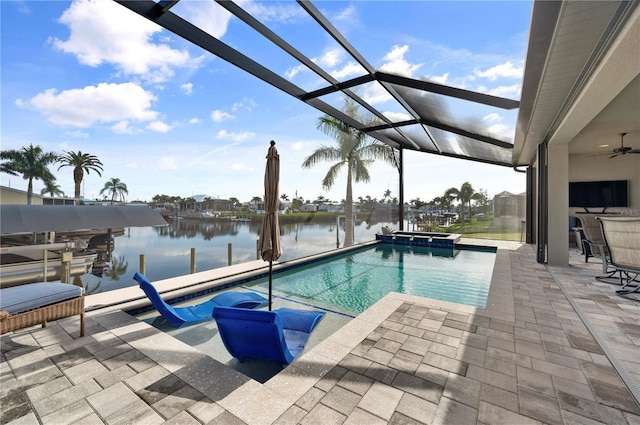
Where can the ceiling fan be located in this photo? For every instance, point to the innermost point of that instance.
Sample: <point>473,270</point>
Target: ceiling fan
<point>623,150</point>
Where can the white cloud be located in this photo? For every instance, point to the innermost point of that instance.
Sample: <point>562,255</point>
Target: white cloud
<point>238,137</point>
<point>272,11</point>
<point>497,127</point>
<point>101,31</point>
<point>159,127</point>
<point>397,116</point>
<point>246,104</point>
<point>347,15</point>
<point>23,7</point>
<point>123,127</point>
<point>439,79</point>
<point>505,70</point>
<point>395,62</point>
<point>493,117</point>
<point>501,130</point>
<point>375,94</point>
<point>208,16</point>
<point>194,120</point>
<point>102,103</point>
<point>512,91</point>
<point>298,146</point>
<point>219,116</point>
<point>350,69</point>
<point>187,88</point>
<point>331,57</point>
<point>292,72</point>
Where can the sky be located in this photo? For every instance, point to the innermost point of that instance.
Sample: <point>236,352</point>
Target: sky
<point>166,117</point>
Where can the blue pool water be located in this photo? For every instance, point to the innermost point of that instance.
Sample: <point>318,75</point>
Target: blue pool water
<point>353,282</point>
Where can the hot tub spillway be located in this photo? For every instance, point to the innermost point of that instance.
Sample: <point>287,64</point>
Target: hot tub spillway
<point>426,239</point>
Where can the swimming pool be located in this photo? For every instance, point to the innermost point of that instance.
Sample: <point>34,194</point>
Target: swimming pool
<point>354,281</point>
<point>344,285</point>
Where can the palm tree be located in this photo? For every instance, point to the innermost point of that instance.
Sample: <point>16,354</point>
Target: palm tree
<point>355,150</point>
<point>31,163</point>
<point>51,188</point>
<point>464,195</point>
<point>81,163</point>
<point>116,188</point>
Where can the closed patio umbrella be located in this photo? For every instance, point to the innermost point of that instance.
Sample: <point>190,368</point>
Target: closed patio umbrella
<point>269,241</point>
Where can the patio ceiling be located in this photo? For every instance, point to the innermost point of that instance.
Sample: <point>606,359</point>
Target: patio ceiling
<point>422,118</point>
<point>581,82</point>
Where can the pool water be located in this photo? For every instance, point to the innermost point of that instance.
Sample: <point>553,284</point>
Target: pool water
<point>344,286</point>
<point>352,282</point>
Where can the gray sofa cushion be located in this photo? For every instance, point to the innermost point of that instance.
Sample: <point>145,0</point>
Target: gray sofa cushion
<point>18,299</point>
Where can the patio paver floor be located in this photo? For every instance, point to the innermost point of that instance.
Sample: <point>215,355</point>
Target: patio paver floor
<point>530,358</point>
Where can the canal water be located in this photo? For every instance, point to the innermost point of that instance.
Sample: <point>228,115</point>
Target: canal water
<point>167,250</point>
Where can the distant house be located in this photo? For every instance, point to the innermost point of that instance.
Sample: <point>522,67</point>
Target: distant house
<point>209,203</point>
<point>509,210</point>
<point>332,207</point>
<point>11,196</point>
<point>506,204</point>
<point>308,207</point>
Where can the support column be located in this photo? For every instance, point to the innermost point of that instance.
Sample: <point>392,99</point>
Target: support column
<point>542,204</point>
<point>400,189</point>
<point>558,204</point>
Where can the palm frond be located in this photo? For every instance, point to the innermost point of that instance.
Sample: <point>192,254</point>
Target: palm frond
<point>332,174</point>
<point>322,154</point>
<point>359,170</point>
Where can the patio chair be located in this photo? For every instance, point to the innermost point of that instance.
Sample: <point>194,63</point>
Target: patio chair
<point>279,335</point>
<point>622,236</point>
<point>178,316</point>
<point>593,244</point>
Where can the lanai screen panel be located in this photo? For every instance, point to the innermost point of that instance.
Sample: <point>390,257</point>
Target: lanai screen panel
<point>412,114</point>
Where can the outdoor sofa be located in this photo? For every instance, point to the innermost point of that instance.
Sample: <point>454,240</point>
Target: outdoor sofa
<point>38,303</point>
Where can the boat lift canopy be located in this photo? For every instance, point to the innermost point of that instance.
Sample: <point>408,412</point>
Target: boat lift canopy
<point>16,219</point>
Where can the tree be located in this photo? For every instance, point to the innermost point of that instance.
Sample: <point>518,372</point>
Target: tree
<point>417,203</point>
<point>355,150</point>
<point>386,198</point>
<point>51,188</point>
<point>464,195</point>
<point>234,202</point>
<point>482,198</point>
<point>297,203</point>
<point>81,163</point>
<point>116,188</point>
<point>30,163</point>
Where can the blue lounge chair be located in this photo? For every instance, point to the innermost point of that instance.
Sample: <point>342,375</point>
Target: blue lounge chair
<point>278,335</point>
<point>177,316</point>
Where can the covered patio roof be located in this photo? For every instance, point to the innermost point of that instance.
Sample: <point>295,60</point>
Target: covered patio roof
<point>422,117</point>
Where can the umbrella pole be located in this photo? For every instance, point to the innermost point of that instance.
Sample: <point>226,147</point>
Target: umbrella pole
<point>270,279</point>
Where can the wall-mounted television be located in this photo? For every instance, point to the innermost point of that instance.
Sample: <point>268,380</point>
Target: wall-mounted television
<point>603,194</point>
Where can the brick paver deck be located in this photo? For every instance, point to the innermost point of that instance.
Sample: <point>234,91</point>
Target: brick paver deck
<point>529,357</point>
